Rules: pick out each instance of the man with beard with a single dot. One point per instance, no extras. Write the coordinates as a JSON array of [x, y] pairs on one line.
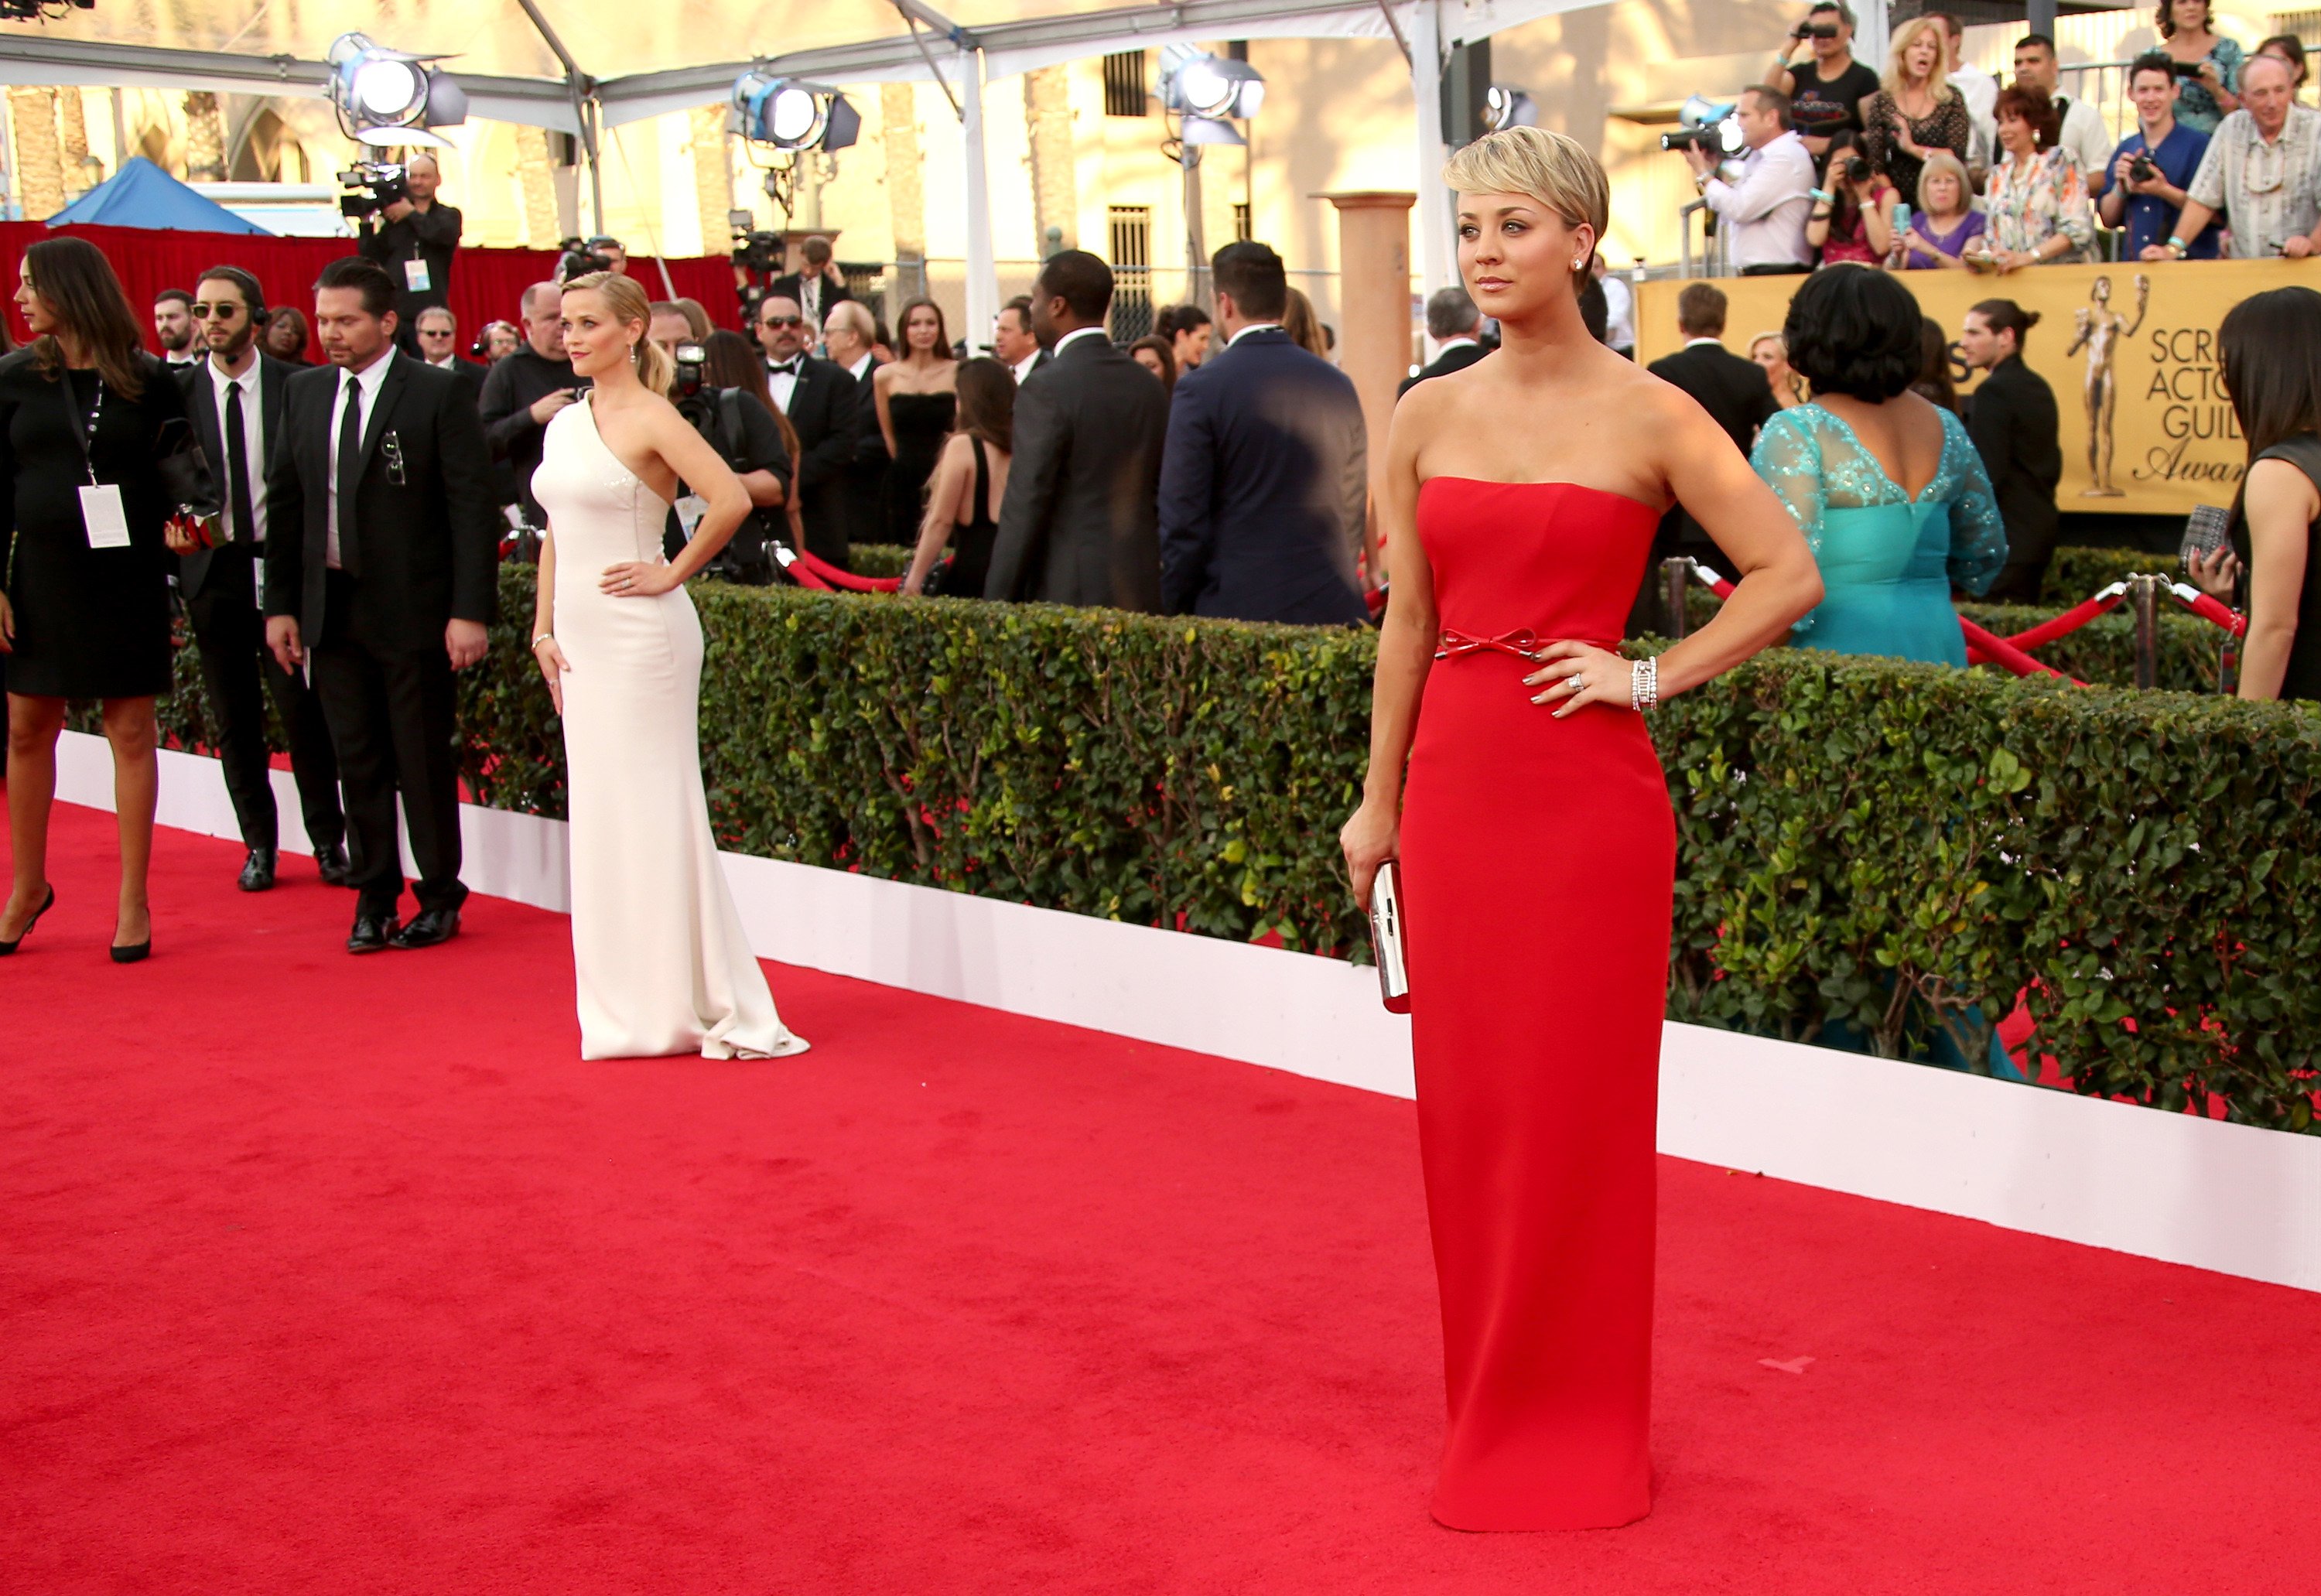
[[820, 399], [173, 327]]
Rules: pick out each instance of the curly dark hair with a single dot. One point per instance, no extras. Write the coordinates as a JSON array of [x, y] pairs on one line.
[[1855, 329], [2030, 106]]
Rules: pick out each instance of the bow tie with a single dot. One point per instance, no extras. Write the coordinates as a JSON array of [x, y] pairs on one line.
[[790, 366]]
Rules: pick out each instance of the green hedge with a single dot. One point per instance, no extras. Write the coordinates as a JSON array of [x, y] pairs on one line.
[[1883, 845], [878, 559], [2074, 573]]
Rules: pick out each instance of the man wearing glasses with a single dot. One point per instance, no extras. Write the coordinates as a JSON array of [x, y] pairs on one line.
[[823, 404], [234, 396], [2262, 172]]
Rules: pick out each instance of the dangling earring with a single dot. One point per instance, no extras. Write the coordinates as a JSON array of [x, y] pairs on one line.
[[632, 354]]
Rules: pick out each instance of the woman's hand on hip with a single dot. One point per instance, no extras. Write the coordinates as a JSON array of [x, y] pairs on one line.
[[1371, 837], [1576, 673], [637, 578]]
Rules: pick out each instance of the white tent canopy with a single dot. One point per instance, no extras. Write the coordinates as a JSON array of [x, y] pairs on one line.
[[539, 62]]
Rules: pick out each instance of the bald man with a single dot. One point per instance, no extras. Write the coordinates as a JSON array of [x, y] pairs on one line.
[[415, 238], [522, 392]]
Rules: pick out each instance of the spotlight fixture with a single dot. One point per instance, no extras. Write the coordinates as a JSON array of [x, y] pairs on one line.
[[390, 96], [791, 113], [1215, 89], [1505, 106]]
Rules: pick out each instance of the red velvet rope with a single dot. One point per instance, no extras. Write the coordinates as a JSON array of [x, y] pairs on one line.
[[2208, 609], [1998, 650], [832, 577], [2071, 619]]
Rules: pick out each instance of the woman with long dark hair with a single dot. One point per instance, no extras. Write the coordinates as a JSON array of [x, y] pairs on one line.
[[1887, 488], [87, 611], [2271, 352], [1152, 352], [1856, 224], [970, 480], [918, 401], [732, 361]]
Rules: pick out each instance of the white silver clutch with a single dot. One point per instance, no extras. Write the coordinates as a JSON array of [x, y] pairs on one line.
[[1385, 937]]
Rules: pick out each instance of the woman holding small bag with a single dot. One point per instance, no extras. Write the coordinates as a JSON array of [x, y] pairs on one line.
[[85, 418]]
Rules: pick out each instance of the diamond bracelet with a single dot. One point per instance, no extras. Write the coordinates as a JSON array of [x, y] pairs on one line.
[[1644, 685]]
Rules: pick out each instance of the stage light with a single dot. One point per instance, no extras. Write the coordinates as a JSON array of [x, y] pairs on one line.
[[1197, 85], [390, 96], [1505, 106], [791, 113]]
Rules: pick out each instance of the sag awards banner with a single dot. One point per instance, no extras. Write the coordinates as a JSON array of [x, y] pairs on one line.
[[2130, 349]]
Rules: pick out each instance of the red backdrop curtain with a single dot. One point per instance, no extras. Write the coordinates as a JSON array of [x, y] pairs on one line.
[[486, 285]]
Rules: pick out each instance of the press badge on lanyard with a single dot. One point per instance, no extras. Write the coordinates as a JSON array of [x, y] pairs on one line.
[[415, 277], [101, 509]]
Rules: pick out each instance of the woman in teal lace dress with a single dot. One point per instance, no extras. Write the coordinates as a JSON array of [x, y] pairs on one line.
[[1888, 488]]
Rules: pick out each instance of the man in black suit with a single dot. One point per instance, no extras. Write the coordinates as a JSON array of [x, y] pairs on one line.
[[1264, 480], [234, 397], [1452, 322], [819, 398], [1733, 391], [439, 345], [1014, 343], [383, 572], [816, 289], [851, 335], [414, 239], [523, 393], [1078, 523], [2011, 417]]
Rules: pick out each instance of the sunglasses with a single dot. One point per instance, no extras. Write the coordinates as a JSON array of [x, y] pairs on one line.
[[226, 311], [784, 322]]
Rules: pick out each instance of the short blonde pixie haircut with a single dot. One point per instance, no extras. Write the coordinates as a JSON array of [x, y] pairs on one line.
[[1552, 167]]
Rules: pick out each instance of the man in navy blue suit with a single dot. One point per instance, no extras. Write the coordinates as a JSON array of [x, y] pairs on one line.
[[1264, 478]]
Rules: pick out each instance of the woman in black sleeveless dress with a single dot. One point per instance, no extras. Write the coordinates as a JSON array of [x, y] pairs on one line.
[[917, 402], [970, 477], [2271, 346], [87, 614]]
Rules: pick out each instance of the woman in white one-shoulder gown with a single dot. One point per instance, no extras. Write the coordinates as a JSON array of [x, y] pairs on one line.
[[663, 963]]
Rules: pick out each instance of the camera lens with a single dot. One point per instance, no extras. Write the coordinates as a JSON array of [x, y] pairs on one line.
[[1857, 170]]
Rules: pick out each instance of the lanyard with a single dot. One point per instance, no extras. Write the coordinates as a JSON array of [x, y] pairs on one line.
[[84, 432]]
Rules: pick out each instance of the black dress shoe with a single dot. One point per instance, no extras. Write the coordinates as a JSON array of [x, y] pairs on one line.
[[372, 933], [135, 952], [257, 871], [47, 904], [331, 863], [428, 927]]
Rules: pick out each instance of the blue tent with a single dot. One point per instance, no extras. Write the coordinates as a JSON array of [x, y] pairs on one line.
[[141, 194]]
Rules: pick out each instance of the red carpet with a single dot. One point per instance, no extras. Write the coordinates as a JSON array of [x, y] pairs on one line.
[[337, 1275]]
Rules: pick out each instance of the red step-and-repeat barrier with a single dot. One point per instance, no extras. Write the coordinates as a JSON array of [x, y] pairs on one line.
[[486, 285]]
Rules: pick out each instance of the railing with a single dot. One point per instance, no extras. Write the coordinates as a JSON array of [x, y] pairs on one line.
[[885, 286]]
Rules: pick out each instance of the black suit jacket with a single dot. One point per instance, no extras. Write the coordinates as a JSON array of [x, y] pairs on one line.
[[789, 284], [1457, 359], [824, 409], [1078, 522], [2011, 417], [471, 372], [209, 427], [1733, 391], [426, 532], [1262, 487]]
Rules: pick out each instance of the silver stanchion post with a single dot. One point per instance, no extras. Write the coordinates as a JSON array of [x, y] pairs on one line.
[[1676, 575], [2143, 594]]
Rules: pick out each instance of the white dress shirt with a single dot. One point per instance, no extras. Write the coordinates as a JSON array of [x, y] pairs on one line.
[[861, 366], [1023, 368], [1065, 342], [1980, 91], [450, 362], [253, 441], [2087, 139], [1764, 213], [369, 379], [781, 377], [1619, 312], [1252, 327]]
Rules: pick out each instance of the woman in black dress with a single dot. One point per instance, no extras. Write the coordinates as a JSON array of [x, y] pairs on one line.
[[917, 398], [87, 611], [970, 479], [2271, 348]]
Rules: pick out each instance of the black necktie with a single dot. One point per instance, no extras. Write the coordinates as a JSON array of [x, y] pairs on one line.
[[790, 366], [237, 466], [350, 477]]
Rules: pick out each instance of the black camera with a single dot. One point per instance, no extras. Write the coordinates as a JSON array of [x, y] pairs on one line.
[[1815, 30], [2190, 69], [577, 259], [1857, 169], [379, 184], [2142, 170], [756, 249], [1710, 137], [692, 363]]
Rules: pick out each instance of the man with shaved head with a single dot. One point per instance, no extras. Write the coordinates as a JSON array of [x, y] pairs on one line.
[[415, 238], [522, 392]]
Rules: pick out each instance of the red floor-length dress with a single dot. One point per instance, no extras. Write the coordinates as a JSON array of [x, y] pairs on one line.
[[1538, 859]]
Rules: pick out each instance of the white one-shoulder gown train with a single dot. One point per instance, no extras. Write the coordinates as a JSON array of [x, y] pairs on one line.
[[663, 965]]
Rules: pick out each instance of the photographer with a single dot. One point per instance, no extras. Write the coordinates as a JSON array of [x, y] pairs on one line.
[[1764, 209], [2143, 188], [1856, 221], [2263, 172], [415, 239], [523, 392], [817, 287], [721, 388], [1827, 88]]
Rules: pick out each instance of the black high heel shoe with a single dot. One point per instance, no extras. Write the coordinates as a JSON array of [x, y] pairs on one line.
[[9, 947], [134, 951]]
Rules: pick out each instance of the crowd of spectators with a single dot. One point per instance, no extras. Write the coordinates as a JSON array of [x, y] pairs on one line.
[[1932, 165]]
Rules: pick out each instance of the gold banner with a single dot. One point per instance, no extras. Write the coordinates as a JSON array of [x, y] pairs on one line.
[[2129, 349]]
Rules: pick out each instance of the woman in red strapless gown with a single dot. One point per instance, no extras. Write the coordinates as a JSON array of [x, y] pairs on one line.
[[1537, 848]]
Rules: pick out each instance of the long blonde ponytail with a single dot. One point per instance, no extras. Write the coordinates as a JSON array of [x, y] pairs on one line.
[[628, 304]]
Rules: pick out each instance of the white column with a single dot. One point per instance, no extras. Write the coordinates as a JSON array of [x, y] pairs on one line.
[[1871, 32], [982, 273], [1437, 269]]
